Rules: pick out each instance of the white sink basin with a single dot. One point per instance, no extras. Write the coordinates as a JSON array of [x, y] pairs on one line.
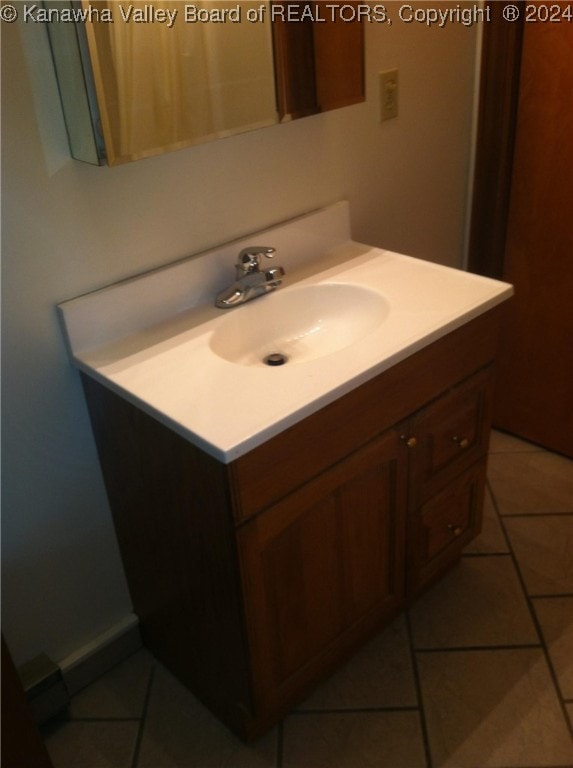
[[299, 324], [346, 312]]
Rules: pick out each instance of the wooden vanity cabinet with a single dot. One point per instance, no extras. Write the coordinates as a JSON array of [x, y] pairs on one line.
[[322, 567], [254, 580]]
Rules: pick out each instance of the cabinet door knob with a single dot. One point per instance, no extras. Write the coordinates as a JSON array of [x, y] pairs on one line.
[[411, 442], [455, 529], [462, 442]]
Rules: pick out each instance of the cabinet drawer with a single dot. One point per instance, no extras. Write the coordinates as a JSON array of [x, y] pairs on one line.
[[443, 525], [450, 435]]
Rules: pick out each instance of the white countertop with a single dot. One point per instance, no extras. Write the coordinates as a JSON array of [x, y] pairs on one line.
[[158, 356]]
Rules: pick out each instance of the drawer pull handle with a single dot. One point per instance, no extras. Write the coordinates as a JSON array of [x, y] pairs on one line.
[[455, 529], [462, 442], [411, 442]]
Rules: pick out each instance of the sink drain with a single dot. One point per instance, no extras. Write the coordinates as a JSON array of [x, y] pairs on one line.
[[276, 358]]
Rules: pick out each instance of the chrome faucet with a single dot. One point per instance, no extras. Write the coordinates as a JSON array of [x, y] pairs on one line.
[[250, 280]]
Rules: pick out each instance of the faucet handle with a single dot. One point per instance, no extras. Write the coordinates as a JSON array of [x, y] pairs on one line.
[[249, 259]]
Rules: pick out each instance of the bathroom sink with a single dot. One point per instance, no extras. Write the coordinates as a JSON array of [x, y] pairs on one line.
[[299, 324], [346, 312]]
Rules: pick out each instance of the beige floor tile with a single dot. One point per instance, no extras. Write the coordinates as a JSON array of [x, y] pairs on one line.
[[379, 675], [492, 709], [555, 616], [354, 740], [502, 442], [92, 744], [119, 693], [491, 538], [543, 547], [180, 733], [480, 602], [531, 483]]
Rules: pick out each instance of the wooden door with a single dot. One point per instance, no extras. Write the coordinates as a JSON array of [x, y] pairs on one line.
[[535, 386], [322, 567], [535, 380]]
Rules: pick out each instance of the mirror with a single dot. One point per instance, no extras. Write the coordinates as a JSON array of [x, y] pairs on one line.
[[141, 78]]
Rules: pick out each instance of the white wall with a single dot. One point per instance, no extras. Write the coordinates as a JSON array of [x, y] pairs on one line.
[[70, 228]]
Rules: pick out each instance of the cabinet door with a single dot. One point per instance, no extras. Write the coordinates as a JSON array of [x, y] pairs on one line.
[[442, 526], [322, 567]]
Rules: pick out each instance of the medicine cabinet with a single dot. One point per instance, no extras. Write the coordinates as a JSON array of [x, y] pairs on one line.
[[138, 79]]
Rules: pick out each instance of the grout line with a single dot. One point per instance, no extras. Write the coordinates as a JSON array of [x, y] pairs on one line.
[[139, 739], [418, 685], [498, 516], [536, 623]]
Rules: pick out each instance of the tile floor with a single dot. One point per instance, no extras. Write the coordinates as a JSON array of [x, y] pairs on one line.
[[479, 674]]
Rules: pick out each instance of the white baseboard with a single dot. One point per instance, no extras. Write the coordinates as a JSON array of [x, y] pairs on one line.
[[101, 654], [49, 685]]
